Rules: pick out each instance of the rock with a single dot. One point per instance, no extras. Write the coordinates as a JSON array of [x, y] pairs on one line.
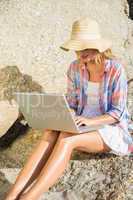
[[12, 80], [98, 177], [91, 176], [35, 47], [8, 114]]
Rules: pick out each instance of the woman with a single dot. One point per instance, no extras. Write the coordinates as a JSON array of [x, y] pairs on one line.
[[97, 94]]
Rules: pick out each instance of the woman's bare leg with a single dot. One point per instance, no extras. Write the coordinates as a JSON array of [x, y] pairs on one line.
[[34, 164], [59, 159]]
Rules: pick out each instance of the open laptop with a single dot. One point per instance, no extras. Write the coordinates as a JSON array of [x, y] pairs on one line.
[[49, 111]]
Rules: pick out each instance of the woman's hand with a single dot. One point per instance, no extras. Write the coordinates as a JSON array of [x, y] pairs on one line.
[[83, 120]]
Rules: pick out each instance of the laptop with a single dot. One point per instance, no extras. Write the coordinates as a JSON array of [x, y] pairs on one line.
[[49, 111]]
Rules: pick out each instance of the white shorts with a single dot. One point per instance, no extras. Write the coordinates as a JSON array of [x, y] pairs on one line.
[[113, 136]]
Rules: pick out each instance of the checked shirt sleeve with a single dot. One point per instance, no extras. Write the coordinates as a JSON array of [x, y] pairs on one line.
[[119, 94], [71, 95]]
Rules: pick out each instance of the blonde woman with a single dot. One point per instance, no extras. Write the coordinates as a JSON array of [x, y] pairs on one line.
[[97, 94]]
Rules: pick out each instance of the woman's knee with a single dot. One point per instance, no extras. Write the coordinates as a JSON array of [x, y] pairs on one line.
[[64, 139]]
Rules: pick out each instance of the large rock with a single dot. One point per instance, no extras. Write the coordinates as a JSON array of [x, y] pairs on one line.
[[34, 31], [8, 114], [12, 80]]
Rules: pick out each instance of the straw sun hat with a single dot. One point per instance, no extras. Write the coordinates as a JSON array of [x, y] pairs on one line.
[[86, 34]]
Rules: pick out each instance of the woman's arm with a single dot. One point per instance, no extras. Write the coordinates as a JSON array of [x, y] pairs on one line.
[[119, 94], [71, 95], [98, 120], [102, 119]]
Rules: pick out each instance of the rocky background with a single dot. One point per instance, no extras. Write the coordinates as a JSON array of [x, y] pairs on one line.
[[32, 32], [31, 60]]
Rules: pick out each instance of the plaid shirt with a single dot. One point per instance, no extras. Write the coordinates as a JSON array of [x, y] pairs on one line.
[[113, 92]]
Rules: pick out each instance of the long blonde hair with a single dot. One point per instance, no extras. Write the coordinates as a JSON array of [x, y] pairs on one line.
[[100, 57]]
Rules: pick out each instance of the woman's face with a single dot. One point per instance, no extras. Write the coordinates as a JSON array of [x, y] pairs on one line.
[[87, 55]]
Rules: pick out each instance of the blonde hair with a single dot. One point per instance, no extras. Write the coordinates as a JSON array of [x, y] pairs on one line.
[[100, 57]]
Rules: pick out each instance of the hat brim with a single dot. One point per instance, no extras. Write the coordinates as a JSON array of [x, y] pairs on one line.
[[77, 45]]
